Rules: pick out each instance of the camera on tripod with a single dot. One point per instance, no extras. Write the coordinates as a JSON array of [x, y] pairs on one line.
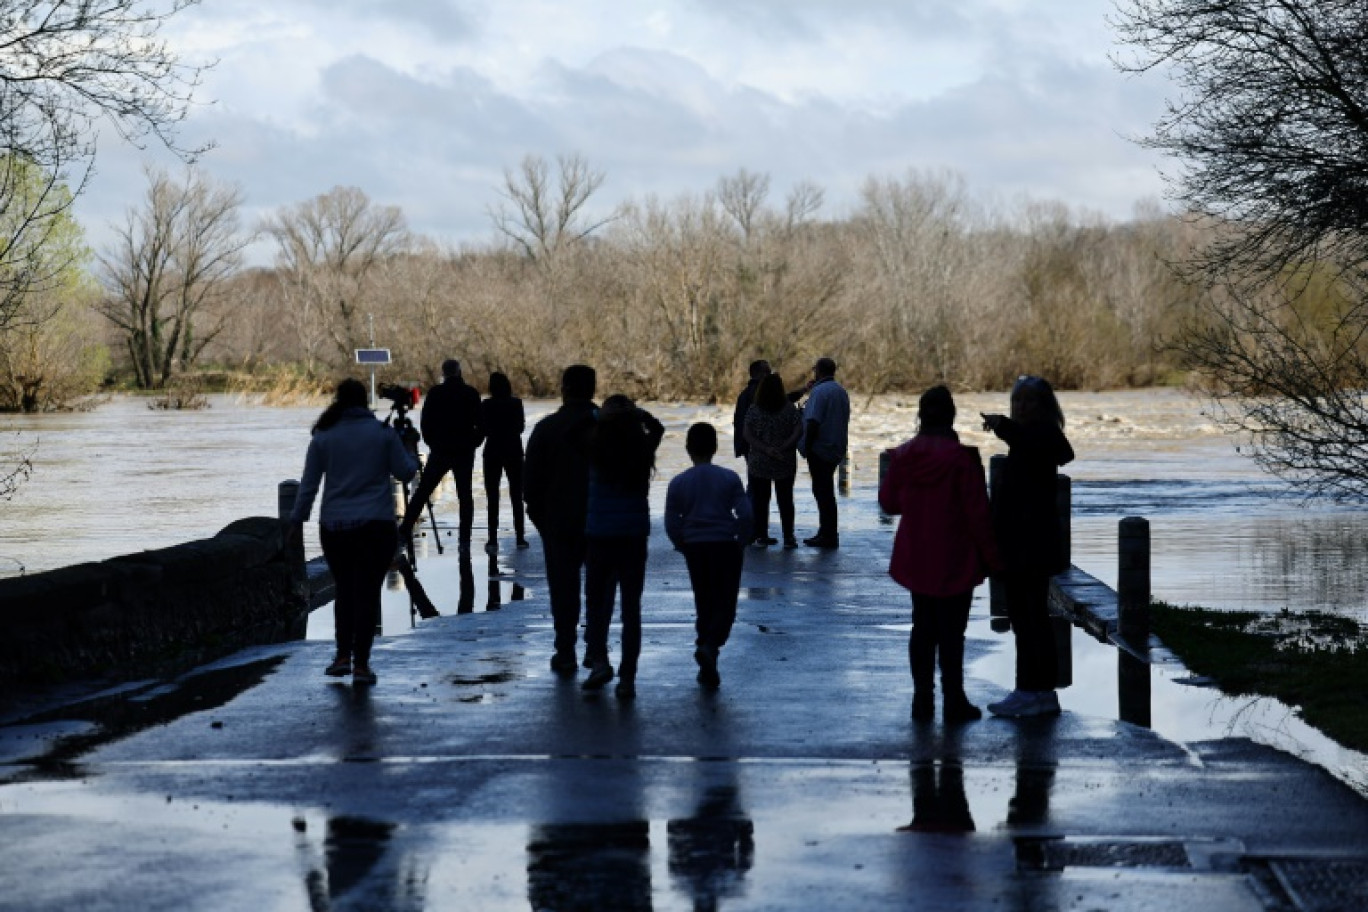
[[402, 398]]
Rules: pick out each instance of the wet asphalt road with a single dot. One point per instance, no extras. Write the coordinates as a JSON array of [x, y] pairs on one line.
[[473, 778]]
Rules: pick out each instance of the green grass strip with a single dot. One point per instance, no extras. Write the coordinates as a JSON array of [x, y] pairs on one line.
[[1314, 661]]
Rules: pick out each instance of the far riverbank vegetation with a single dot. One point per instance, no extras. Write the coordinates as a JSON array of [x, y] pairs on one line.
[[921, 281], [1313, 661]]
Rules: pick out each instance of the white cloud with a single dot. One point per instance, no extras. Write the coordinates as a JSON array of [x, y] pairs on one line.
[[423, 105]]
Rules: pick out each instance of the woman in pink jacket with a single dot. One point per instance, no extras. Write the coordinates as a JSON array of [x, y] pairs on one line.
[[943, 549]]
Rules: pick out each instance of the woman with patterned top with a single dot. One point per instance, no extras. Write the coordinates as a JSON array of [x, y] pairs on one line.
[[773, 428]]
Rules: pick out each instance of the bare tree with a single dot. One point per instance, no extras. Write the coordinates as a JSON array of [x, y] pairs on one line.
[[542, 216], [1270, 125], [328, 249], [1271, 131], [743, 198], [15, 467], [166, 273], [64, 65]]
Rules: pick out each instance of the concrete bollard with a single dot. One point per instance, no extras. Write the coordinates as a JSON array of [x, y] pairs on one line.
[[997, 591], [885, 460], [1133, 582], [287, 492], [1064, 509]]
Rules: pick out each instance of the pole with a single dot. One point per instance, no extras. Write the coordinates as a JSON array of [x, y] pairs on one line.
[[997, 591], [1133, 583], [370, 318]]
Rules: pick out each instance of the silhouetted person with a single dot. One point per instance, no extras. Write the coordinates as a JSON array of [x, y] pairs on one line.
[[1029, 538], [772, 429], [826, 428], [452, 429], [556, 491], [354, 457], [502, 414], [942, 550], [617, 525], [758, 371], [707, 517]]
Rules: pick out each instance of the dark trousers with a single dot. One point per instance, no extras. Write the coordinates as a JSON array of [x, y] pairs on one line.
[[358, 559], [512, 466], [715, 575], [759, 490], [614, 563], [564, 556], [1028, 610], [824, 492], [461, 464], [938, 625]]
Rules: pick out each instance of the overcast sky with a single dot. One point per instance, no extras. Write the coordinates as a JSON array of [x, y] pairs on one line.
[[424, 103]]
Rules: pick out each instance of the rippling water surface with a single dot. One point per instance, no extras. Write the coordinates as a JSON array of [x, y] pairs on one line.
[[124, 477]]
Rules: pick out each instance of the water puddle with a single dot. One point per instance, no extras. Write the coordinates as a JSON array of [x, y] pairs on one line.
[[1165, 697], [65, 734]]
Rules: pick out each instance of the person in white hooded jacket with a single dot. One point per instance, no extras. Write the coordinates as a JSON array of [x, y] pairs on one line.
[[354, 456]]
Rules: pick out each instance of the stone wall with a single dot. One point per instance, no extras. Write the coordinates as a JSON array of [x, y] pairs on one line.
[[155, 612]]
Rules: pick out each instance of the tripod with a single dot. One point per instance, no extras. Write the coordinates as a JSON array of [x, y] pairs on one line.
[[432, 517], [406, 561]]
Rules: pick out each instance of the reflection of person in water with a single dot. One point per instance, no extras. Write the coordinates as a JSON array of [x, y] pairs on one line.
[[466, 605], [1029, 805], [353, 850], [495, 600], [939, 804], [711, 851], [588, 867]]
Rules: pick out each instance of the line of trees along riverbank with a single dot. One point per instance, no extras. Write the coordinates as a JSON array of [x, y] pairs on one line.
[[921, 282]]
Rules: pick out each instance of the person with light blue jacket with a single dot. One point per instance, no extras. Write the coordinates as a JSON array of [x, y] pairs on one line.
[[708, 519], [826, 428], [353, 456]]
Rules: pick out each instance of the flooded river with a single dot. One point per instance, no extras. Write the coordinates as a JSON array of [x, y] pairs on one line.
[[123, 477]]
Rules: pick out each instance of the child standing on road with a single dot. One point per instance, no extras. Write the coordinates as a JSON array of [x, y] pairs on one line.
[[708, 518]]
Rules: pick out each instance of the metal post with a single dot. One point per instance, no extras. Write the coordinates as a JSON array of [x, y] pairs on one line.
[[287, 492], [885, 460], [1063, 626], [1133, 582], [997, 591], [1064, 508], [1132, 602], [370, 318]]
